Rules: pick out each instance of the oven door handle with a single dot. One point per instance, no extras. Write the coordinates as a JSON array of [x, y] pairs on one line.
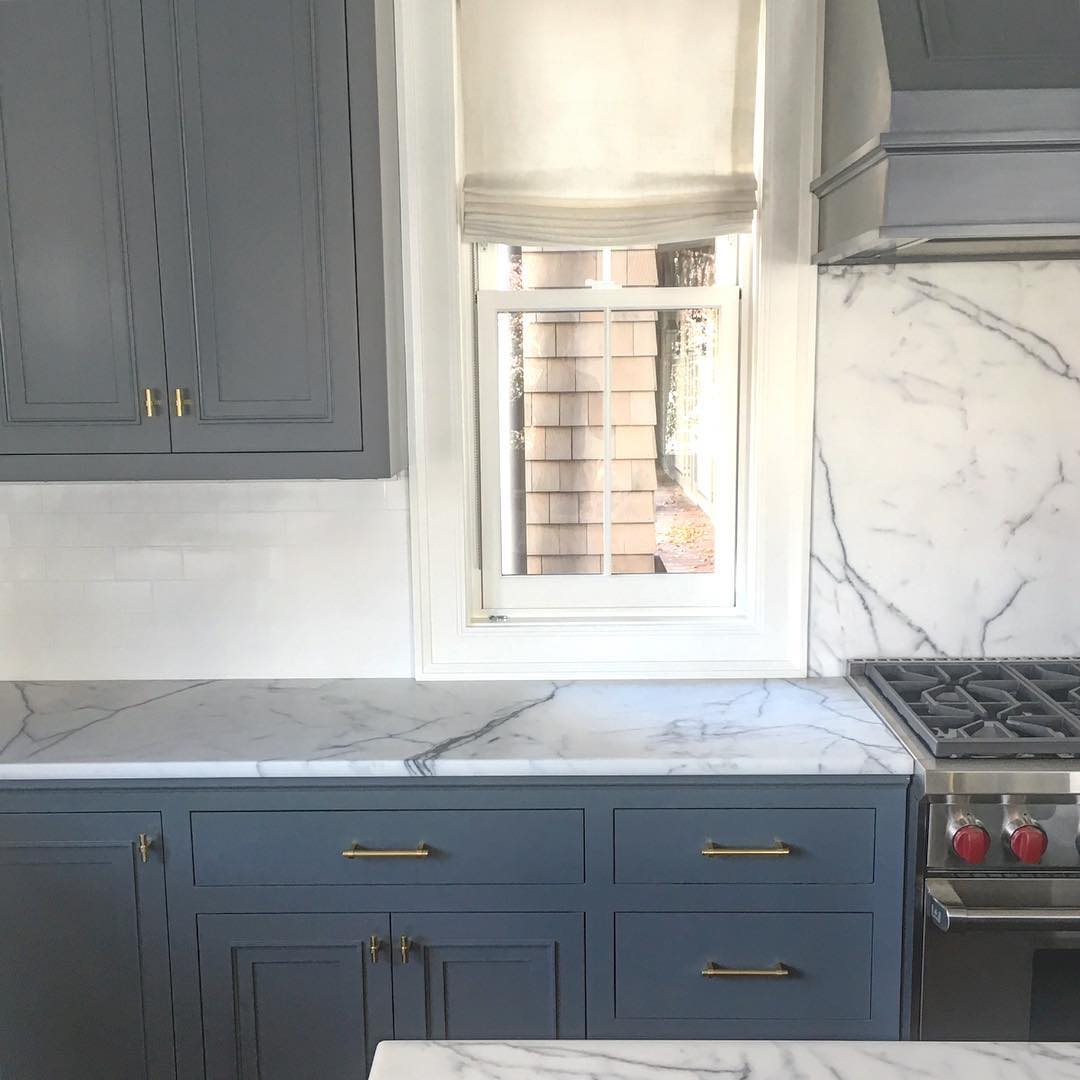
[[948, 912]]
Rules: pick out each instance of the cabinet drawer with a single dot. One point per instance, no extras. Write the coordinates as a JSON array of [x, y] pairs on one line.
[[660, 957], [464, 847], [817, 847]]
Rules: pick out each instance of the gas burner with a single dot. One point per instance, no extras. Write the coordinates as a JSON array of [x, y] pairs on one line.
[[987, 709]]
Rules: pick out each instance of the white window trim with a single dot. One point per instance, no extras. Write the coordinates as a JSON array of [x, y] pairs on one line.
[[766, 633], [581, 595]]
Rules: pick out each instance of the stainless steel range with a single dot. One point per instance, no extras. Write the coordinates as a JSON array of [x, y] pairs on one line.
[[995, 924]]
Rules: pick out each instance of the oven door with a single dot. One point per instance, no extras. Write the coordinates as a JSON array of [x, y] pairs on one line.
[[1001, 959]]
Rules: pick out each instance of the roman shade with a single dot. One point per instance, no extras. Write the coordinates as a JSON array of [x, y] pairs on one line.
[[608, 122]]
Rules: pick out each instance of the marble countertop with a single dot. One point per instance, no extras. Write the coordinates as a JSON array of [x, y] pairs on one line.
[[397, 727], [633, 1060]]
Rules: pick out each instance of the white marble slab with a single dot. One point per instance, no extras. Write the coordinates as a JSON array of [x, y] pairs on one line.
[[633, 1060], [947, 473], [397, 727]]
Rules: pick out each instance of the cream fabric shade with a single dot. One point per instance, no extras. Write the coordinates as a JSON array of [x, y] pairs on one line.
[[608, 122]]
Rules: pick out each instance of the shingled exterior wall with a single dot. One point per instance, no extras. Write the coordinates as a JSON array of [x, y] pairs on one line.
[[563, 416]]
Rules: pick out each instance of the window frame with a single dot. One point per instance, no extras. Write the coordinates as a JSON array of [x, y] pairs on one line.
[[765, 633], [601, 595]]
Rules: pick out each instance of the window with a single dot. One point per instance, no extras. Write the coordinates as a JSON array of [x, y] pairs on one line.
[[609, 426], [716, 582]]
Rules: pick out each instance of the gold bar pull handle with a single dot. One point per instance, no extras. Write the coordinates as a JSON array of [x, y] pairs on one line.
[[373, 946], [421, 851], [715, 971], [144, 845], [151, 402], [181, 400], [711, 850], [405, 945]]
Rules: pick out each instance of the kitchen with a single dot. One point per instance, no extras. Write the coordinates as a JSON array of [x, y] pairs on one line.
[[302, 744]]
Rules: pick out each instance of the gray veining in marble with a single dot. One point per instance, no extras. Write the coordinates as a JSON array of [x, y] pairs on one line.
[[947, 471], [397, 727], [633, 1060]]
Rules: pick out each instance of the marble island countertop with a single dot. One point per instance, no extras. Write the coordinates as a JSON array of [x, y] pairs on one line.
[[397, 727], [632, 1060]]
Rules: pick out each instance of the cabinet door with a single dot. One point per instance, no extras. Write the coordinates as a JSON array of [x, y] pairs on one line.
[[84, 975], [254, 172], [490, 976], [293, 997], [80, 308]]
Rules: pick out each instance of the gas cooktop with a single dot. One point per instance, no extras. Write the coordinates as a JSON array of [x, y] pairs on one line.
[[986, 709]]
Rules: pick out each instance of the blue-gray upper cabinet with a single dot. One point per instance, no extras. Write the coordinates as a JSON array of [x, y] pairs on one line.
[[80, 315], [84, 962], [264, 116], [496, 975], [294, 995]]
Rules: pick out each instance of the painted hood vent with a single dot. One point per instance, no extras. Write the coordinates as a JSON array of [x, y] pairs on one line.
[[950, 129]]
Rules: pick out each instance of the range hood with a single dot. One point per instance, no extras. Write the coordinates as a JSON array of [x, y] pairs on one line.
[[950, 130]]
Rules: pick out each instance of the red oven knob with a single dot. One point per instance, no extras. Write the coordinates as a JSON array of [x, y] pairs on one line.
[[1028, 843], [971, 843]]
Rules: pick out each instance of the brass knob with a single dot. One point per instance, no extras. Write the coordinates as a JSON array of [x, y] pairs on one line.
[[374, 948], [405, 945], [180, 400], [144, 846], [151, 402]]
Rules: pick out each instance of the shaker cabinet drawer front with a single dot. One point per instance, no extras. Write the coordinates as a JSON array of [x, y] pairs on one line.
[[744, 846], [389, 847], [740, 966]]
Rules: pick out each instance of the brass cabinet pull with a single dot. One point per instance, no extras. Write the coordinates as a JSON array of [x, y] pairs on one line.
[[714, 971], [374, 946], [405, 945], [144, 845], [180, 400], [150, 402], [711, 850], [421, 851]]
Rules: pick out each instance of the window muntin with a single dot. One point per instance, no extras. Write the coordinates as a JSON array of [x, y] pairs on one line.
[[609, 428]]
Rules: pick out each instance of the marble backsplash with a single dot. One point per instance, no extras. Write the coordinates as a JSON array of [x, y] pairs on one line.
[[947, 462]]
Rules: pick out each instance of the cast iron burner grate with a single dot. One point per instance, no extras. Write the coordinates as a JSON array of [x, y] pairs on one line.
[[972, 708]]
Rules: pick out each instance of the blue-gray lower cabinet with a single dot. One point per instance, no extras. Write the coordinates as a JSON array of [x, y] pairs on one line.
[[84, 963], [292, 996], [308, 920], [495, 975]]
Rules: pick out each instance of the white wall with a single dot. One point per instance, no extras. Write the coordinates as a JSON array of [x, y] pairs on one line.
[[946, 513], [197, 580], [947, 473]]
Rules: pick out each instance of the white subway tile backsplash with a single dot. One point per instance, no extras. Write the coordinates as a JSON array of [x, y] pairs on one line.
[[228, 564], [20, 498], [216, 495], [205, 579], [122, 596], [149, 563], [22, 564], [283, 494], [41, 530], [76, 498], [45, 597], [251, 527], [169, 529], [80, 564], [327, 527], [104, 529]]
